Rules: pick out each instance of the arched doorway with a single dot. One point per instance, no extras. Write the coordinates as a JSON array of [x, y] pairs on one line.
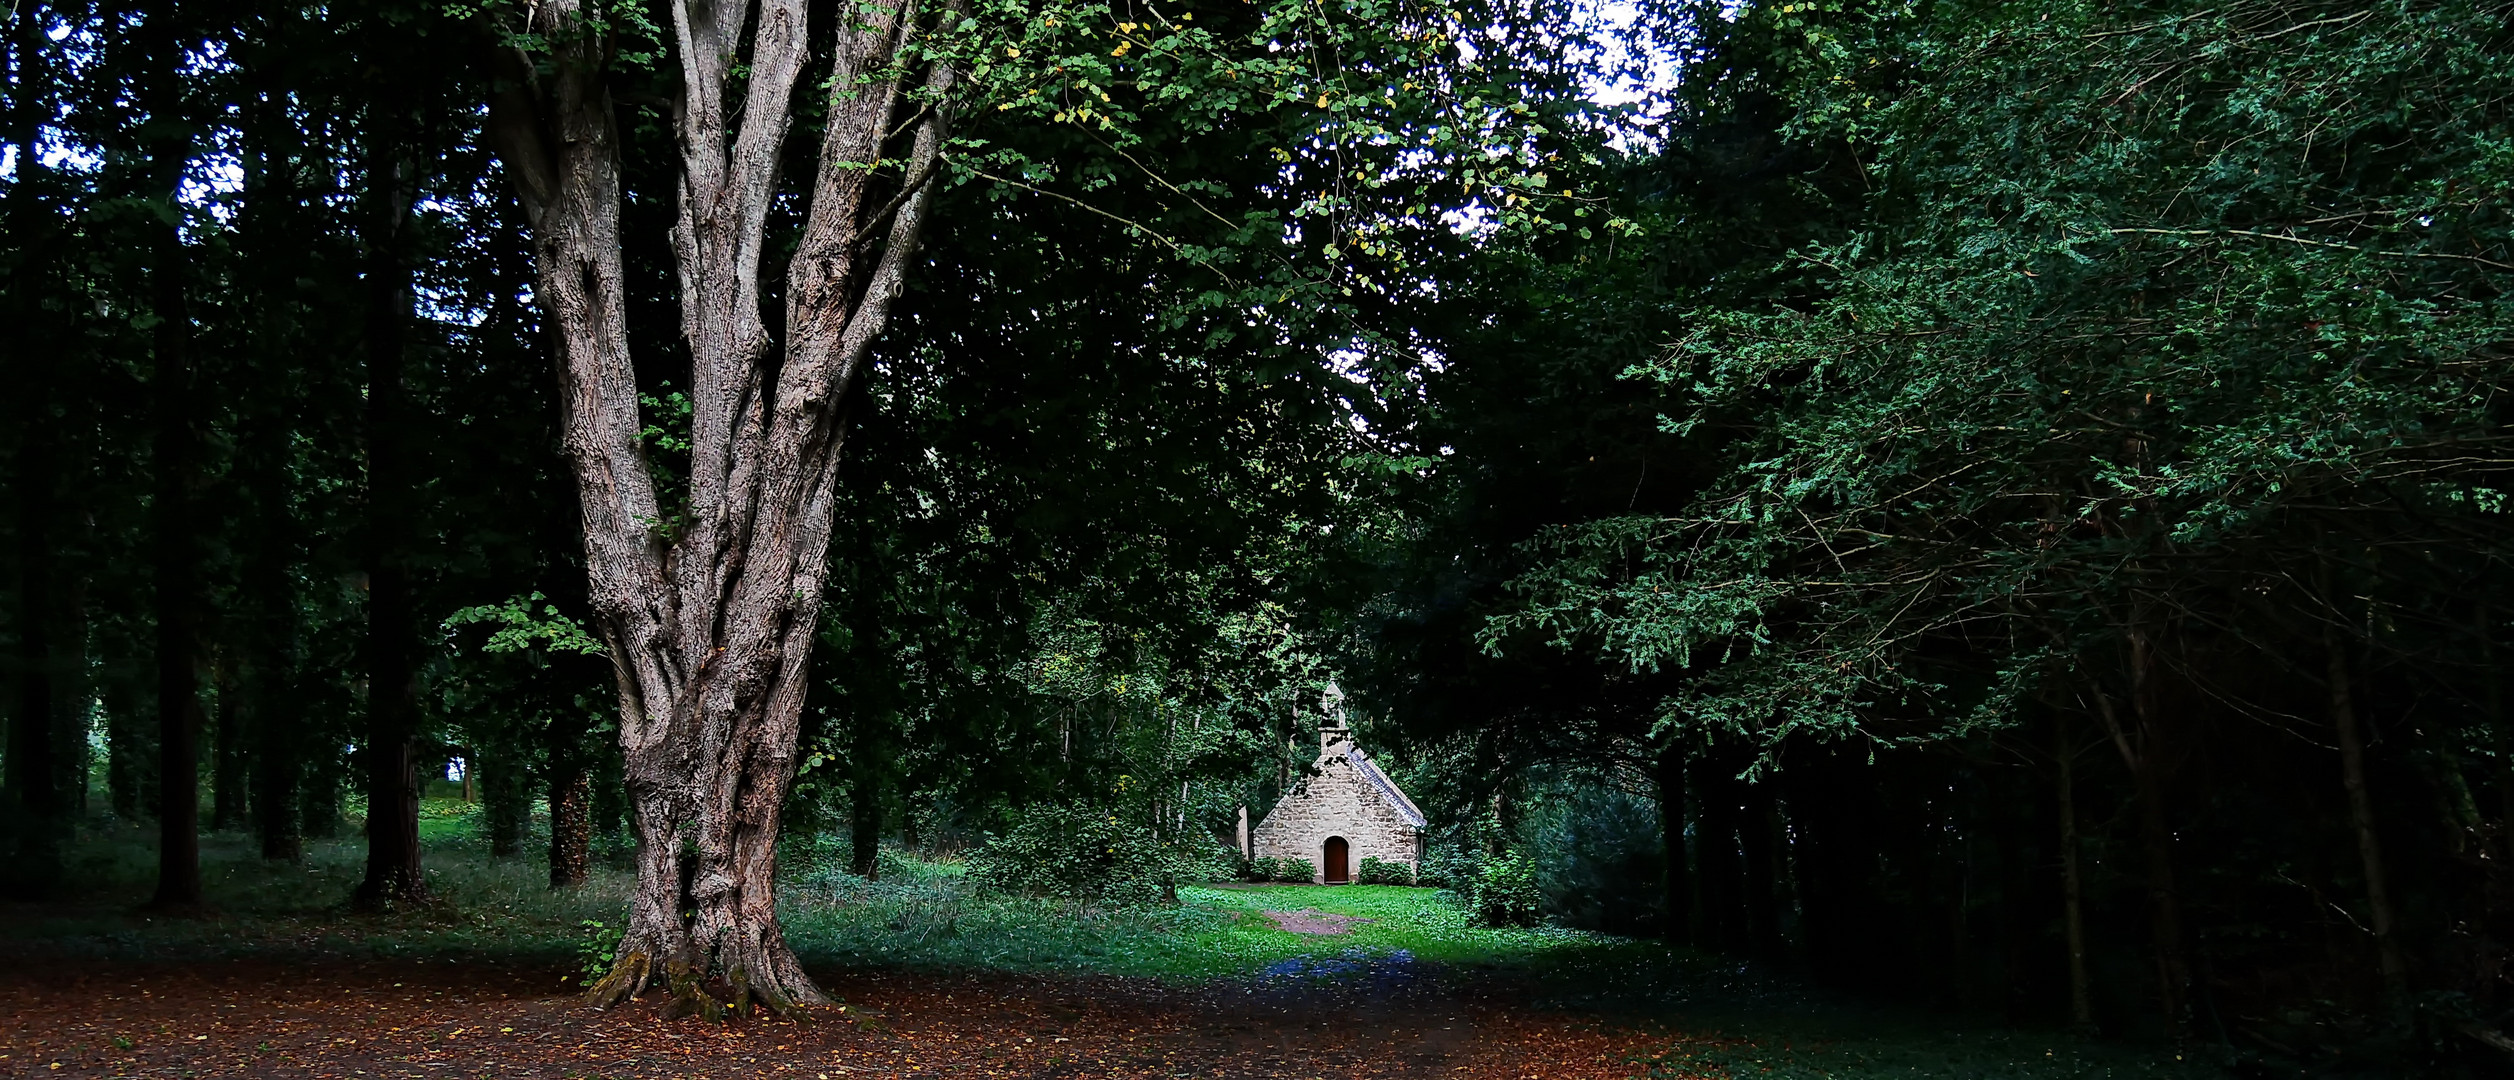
[[1338, 862]]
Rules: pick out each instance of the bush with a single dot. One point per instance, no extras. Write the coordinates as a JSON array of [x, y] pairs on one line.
[[1452, 865], [1079, 853], [1505, 893], [1274, 869], [1377, 871]]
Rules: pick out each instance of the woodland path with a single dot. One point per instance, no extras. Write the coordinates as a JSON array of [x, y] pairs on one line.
[[258, 1017]]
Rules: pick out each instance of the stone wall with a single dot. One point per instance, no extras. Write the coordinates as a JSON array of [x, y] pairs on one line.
[[1338, 801]]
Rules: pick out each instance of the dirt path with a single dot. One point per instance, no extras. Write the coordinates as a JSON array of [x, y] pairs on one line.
[[259, 1018]]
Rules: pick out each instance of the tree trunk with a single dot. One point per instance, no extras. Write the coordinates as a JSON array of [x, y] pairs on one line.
[[2143, 757], [2352, 766], [176, 573], [2072, 884], [33, 866], [34, 792], [1670, 774], [393, 875], [269, 683], [1719, 871], [278, 820], [571, 825], [708, 610]]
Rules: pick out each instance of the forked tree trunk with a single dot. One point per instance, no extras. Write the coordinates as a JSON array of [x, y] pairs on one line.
[[708, 610]]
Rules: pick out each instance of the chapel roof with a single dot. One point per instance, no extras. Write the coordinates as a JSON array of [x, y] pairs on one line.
[[1387, 788]]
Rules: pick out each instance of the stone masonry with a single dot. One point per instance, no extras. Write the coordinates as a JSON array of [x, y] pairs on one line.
[[1348, 797]]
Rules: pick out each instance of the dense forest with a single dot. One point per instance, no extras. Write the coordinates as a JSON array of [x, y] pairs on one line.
[[1990, 506]]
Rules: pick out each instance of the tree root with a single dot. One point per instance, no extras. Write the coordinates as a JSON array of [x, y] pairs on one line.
[[627, 978], [634, 971]]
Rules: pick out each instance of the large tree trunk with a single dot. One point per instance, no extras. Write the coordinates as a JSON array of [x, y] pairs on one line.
[[393, 874], [34, 795], [174, 447], [708, 610]]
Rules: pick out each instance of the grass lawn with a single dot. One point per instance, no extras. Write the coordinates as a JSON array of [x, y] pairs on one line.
[[1214, 932]]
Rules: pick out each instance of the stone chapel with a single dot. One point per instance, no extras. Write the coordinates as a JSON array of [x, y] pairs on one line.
[[1344, 811]]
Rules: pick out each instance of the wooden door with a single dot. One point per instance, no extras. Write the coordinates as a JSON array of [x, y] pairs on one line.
[[1338, 853]]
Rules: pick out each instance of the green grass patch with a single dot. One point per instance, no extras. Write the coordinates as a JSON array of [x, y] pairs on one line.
[[939, 922]]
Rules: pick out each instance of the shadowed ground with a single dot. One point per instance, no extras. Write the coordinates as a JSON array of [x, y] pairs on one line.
[[255, 1018]]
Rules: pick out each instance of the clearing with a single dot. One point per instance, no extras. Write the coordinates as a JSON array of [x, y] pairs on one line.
[[938, 980]]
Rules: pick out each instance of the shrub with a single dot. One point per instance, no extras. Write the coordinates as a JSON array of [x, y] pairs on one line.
[[1451, 865], [1505, 893], [1289, 870], [1084, 854], [1377, 871]]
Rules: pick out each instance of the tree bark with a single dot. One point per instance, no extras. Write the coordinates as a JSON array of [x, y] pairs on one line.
[[571, 825], [708, 610]]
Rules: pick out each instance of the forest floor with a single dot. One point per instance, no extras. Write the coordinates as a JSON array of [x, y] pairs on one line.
[[936, 980]]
